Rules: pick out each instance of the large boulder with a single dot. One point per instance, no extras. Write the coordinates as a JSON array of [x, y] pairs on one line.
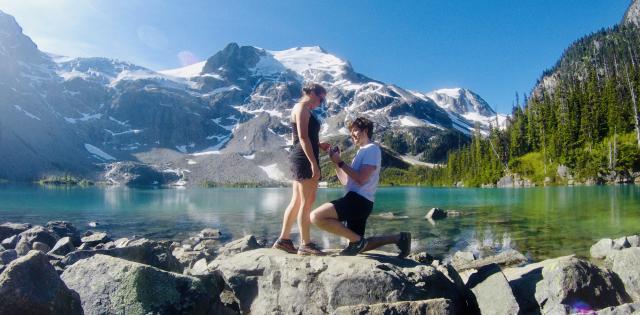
[[570, 282], [9, 229], [244, 244], [10, 242], [626, 264], [109, 285], [30, 285], [426, 307], [267, 281], [491, 292], [144, 251], [8, 256]]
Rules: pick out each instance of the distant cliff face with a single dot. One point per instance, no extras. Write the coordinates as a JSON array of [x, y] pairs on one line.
[[632, 16]]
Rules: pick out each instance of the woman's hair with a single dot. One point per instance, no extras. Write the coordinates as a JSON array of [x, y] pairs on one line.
[[316, 88], [363, 123]]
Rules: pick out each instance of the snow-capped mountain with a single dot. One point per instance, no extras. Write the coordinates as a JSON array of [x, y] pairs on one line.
[[79, 115], [464, 103]]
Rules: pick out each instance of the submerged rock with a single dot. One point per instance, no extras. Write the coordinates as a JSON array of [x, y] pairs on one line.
[[30, 285], [436, 214], [109, 285], [267, 281]]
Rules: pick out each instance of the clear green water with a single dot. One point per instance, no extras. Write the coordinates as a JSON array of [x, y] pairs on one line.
[[543, 222]]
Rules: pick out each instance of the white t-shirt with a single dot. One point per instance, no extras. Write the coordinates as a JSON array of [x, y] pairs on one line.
[[369, 154]]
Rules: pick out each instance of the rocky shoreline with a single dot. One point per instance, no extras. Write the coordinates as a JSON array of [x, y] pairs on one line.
[[55, 269]]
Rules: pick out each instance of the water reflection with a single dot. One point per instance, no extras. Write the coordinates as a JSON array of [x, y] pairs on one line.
[[544, 222]]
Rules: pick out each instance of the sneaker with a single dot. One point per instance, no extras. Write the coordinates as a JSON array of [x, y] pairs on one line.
[[310, 249], [404, 244], [285, 245], [354, 248]]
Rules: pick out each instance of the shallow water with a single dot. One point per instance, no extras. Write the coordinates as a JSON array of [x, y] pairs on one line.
[[542, 222]]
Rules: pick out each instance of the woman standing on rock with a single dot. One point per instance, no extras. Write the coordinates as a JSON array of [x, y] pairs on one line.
[[305, 171]]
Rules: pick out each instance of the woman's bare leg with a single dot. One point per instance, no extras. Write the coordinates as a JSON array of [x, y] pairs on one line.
[[291, 212], [308, 189]]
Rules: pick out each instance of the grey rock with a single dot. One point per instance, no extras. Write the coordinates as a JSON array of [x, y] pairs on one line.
[[63, 247], [30, 285], [507, 258], [436, 214], [462, 258], [92, 224], [563, 171], [8, 256], [426, 307], [626, 264], [38, 234], [266, 281], [109, 285], [187, 258], [121, 242], [491, 291], [208, 246], [10, 242], [64, 229], [568, 281], [9, 229], [135, 174], [95, 239], [506, 182], [23, 247], [602, 248], [621, 243], [200, 267], [634, 240], [244, 244], [624, 309], [144, 251], [42, 247]]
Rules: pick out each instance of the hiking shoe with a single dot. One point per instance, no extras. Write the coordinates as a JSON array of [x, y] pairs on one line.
[[310, 249], [404, 244], [354, 248], [285, 245]]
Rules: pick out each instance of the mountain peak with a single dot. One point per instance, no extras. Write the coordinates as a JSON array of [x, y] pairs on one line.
[[632, 16], [13, 43]]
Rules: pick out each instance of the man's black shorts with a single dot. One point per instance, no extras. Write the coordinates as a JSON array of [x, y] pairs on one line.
[[354, 210]]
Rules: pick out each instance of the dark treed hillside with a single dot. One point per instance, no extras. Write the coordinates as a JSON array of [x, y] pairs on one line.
[[582, 114]]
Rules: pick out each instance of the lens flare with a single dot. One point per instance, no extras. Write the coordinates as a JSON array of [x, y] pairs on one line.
[[187, 58]]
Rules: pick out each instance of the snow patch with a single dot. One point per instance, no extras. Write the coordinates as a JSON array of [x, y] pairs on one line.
[[30, 115], [97, 152], [189, 71], [273, 172]]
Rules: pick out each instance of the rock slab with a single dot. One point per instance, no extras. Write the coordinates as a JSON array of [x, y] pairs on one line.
[[426, 307], [109, 285]]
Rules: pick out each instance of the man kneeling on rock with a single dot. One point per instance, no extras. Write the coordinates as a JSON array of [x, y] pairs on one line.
[[361, 181]]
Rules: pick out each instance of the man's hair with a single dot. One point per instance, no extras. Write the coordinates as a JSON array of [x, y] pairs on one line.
[[363, 123]]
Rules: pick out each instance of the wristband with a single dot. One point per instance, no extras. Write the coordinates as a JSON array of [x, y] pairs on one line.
[[340, 164]]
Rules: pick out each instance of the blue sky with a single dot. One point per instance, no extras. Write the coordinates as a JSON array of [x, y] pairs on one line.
[[494, 47]]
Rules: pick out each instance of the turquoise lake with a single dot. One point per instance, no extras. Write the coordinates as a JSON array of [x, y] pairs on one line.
[[540, 222]]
